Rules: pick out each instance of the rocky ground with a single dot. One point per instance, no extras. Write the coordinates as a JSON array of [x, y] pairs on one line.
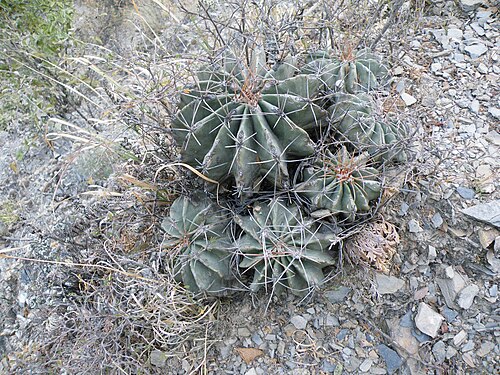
[[436, 312]]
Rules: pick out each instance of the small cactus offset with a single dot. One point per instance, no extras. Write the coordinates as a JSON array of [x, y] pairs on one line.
[[352, 73], [340, 184], [352, 118], [284, 249], [245, 125], [198, 244]]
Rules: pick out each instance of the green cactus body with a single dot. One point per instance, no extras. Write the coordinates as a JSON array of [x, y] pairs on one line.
[[245, 126], [364, 72], [340, 184], [284, 250], [353, 120], [197, 243]]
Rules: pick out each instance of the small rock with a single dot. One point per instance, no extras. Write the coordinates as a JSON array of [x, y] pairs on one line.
[[427, 320], [449, 272], [158, 358], [244, 332], [332, 321], [455, 33], [439, 351], [337, 295], [408, 99], [449, 314], [495, 112], [392, 360], [487, 237], [251, 371], [485, 348], [436, 67], [466, 296], [398, 71], [459, 338], [365, 365], [388, 284], [467, 357], [432, 254], [421, 293], [437, 220], [465, 193], [493, 291], [257, 339], [299, 322], [486, 212], [476, 50], [468, 346], [450, 352], [414, 226], [478, 29], [493, 137], [470, 5], [482, 68], [474, 106]]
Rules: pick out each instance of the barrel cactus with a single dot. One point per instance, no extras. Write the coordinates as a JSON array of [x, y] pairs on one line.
[[284, 250], [198, 245], [340, 184], [351, 73], [353, 120], [246, 124]]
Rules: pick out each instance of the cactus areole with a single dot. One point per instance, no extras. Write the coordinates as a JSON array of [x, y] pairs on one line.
[[245, 125]]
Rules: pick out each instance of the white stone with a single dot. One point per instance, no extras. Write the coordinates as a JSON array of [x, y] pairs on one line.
[[459, 338], [476, 50], [495, 112], [299, 322], [388, 284], [455, 33], [365, 366], [482, 68], [427, 320], [398, 71], [474, 106], [408, 99], [436, 67], [471, 5], [466, 296], [450, 273]]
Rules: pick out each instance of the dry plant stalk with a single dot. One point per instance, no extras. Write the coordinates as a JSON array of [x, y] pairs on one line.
[[374, 245]]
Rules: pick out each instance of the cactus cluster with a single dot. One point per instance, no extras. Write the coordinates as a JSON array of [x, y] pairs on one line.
[[284, 249], [246, 126], [250, 127]]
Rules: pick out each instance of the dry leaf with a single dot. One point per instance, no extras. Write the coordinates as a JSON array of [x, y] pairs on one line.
[[249, 354]]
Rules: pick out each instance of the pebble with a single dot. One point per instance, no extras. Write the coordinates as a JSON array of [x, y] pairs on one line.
[[466, 296], [459, 338], [486, 347], [476, 50], [257, 339], [388, 284], [485, 212], [432, 254], [437, 220], [455, 33], [474, 106], [469, 345], [449, 314], [414, 226], [338, 294], [299, 322], [465, 193], [439, 351], [450, 352], [436, 67], [408, 99], [495, 112], [365, 365], [392, 359], [158, 358], [482, 68], [427, 320]]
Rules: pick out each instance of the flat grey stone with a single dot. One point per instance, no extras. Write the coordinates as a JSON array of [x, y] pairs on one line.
[[459, 338], [365, 365], [257, 339], [439, 351], [392, 360], [470, 5], [450, 352], [427, 320], [495, 112], [449, 314], [474, 106], [337, 295], [414, 226], [455, 33], [408, 99], [486, 347], [488, 213], [476, 50], [466, 193], [478, 29], [437, 220], [299, 322], [388, 284], [244, 332], [466, 296]]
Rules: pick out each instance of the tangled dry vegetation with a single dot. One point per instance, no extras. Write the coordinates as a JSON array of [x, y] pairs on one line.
[[119, 306]]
